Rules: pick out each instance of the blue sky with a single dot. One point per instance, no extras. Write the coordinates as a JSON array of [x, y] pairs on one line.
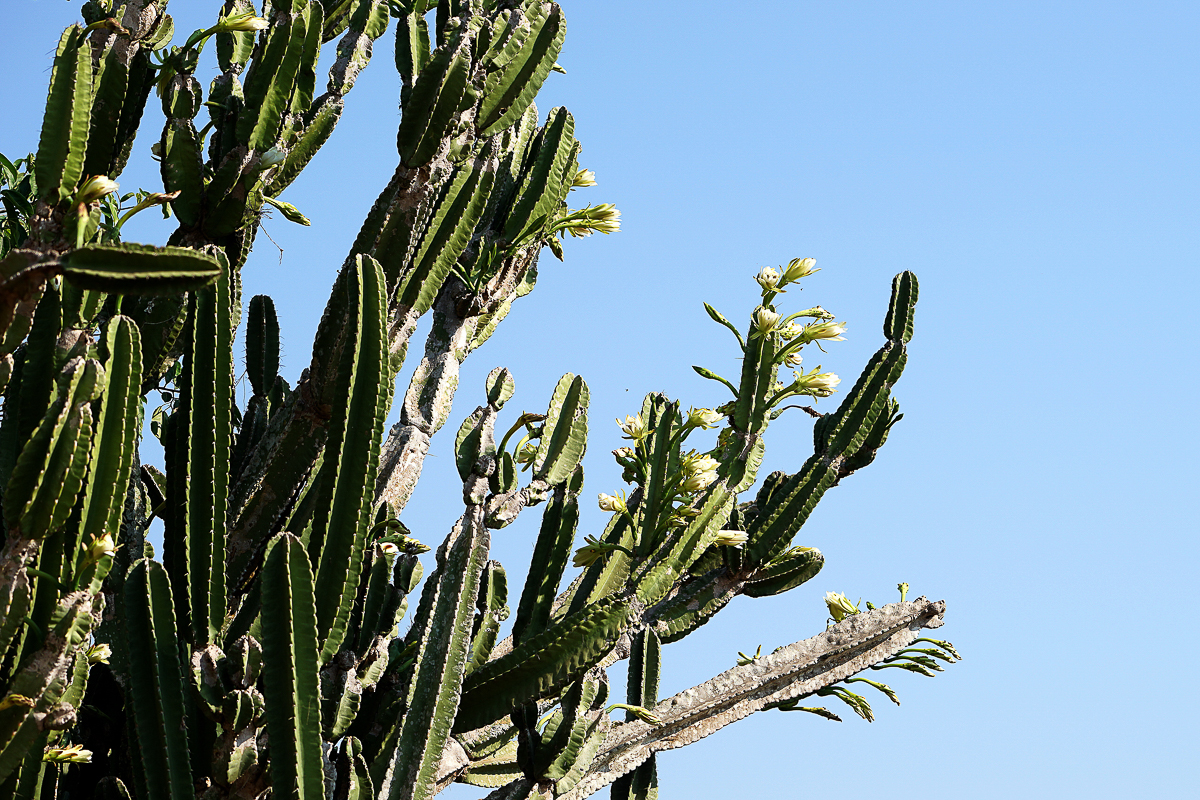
[[1036, 165]]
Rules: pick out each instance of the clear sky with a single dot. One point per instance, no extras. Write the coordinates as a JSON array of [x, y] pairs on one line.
[[1035, 163]]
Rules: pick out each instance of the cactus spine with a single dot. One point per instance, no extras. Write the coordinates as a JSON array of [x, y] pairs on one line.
[[261, 651]]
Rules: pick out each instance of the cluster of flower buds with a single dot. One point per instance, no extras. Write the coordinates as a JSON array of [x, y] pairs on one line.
[[699, 472], [773, 280]]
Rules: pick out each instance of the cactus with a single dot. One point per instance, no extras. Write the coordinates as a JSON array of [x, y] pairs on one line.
[[261, 652]]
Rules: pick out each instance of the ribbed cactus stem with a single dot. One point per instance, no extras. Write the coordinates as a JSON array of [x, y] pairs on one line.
[[796, 671]]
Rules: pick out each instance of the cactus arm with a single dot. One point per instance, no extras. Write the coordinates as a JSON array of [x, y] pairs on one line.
[[157, 681], [563, 444], [839, 437], [409, 770], [511, 89], [290, 680], [544, 183], [135, 269], [51, 468], [798, 670], [550, 555], [340, 526], [271, 79], [206, 427], [63, 143], [543, 664], [431, 105], [492, 610], [116, 430]]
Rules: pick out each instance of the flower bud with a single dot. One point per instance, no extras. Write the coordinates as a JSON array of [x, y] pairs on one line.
[[793, 359], [585, 177], [244, 22], [799, 268], [94, 188], [768, 279], [610, 502], [526, 453], [272, 158], [839, 606], [71, 754], [99, 654]]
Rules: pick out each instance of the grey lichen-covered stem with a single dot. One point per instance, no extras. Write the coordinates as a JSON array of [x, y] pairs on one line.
[[798, 670], [456, 333]]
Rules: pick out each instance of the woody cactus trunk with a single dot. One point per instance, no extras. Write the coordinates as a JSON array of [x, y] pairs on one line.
[[265, 650]]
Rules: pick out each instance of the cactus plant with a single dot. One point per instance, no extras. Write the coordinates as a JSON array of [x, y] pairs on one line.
[[262, 651]]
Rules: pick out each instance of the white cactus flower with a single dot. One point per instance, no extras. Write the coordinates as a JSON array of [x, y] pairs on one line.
[[634, 427], [704, 418], [768, 278], [585, 177], [730, 538], [831, 331], [94, 188], [764, 319], [821, 384], [799, 268]]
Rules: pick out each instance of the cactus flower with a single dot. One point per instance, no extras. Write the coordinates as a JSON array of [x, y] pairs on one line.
[[634, 427], [585, 177], [764, 319], [101, 547], [839, 606], [609, 502], [793, 359], [823, 330], [818, 384], [730, 538], [768, 279], [799, 268], [244, 22], [71, 754], [525, 453], [94, 188], [699, 481], [99, 654], [703, 418]]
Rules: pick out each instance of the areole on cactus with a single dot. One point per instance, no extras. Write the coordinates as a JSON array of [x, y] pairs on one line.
[[263, 651]]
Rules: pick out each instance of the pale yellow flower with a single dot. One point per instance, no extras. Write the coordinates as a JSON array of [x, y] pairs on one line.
[[768, 278], [839, 606], [799, 268]]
